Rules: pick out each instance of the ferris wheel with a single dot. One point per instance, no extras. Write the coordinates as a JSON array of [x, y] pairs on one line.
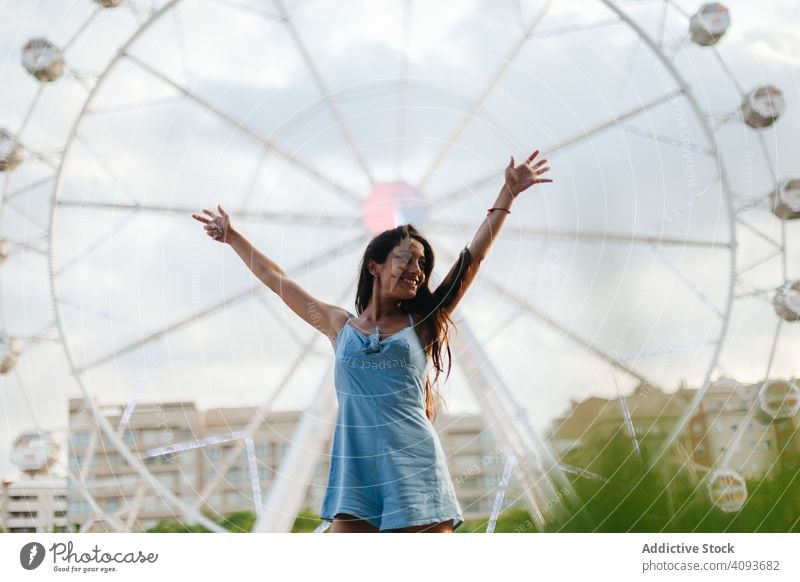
[[319, 125]]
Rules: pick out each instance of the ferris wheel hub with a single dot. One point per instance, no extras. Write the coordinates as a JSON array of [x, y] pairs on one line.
[[392, 204]]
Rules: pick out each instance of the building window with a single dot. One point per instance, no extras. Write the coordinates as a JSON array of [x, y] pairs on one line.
[[22, 514], [461, 440], [80, 439], [129, 438], [470, 483], [78, 506], [156, 437], [468, 464]]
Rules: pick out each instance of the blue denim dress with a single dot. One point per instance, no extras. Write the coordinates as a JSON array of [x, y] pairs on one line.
[[387, 464]]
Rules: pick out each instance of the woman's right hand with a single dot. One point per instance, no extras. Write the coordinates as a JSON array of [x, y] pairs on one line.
[[217, 227]]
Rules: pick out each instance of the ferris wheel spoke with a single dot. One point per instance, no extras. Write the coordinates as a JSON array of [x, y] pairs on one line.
[[261, 297], [760, 262], [253, 185], [662, 25], [106, 167], [258, 417], [576, 28], [81, 29], [137, 106], [140, 12], [314, 71], [212, 309], [98, 242], [43, 228], [298, 218], [87, 496], [443, 201], [99, 313], [25, 189], [724, 460], [677, 7], [592, 236], [745, 203], [42, 334], [524, 306], [180, 37], [672, 141], [266, 14], [479, 103], [667, 350], [48, 158], [758, 233], [403, 89], [84, 79], [747, 289], [341, 190], [687, 281], [28, 246]]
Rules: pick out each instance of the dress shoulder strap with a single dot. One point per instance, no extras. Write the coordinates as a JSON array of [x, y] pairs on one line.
[[410, 320]]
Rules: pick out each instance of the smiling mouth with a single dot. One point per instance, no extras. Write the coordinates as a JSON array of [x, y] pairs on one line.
[[410, 282]]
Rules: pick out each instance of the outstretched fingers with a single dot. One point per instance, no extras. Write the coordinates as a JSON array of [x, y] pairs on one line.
[[201, 219], [538, 171], [532, 156]]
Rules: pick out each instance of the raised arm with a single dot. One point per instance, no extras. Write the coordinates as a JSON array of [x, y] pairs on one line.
[[325, 318], [517, 179]]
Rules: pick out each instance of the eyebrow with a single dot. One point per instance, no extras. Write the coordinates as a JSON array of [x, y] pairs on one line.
[[419, 254]]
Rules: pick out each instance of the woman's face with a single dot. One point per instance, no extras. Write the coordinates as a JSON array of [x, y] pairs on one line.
[[403, 272]]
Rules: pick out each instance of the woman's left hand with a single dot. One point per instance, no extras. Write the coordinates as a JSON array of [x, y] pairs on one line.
[[520, 178]]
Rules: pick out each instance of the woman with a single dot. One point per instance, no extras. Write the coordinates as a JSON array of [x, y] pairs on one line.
[[388, 471]]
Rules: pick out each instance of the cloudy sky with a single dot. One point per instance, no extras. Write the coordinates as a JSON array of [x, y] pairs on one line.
[[220, 101]]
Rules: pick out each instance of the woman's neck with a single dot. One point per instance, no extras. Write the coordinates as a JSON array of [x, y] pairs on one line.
[[377, 310]]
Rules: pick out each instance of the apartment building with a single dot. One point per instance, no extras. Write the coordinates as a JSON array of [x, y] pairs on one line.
[[647, 417], [765, 444], [34, 505], [204, 458]]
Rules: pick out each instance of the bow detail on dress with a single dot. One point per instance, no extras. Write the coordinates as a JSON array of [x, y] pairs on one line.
[[374, 344]]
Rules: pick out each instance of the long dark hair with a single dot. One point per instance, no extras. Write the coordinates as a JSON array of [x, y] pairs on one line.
[[434, 307]]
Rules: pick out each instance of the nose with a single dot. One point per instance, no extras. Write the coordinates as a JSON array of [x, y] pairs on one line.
[[414, 269]]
